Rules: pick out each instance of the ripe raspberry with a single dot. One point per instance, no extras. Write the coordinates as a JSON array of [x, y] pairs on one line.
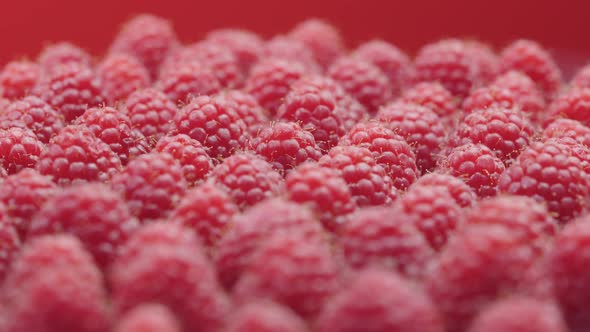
[[389, 150], [245, 45], [478, 265], [270, 81], [19, 149], [582, 78], [363, 81], [151, 112], [292, 50], [394, 63], [148, 38], [148, 318], [487, 61], [550, 173], [115, 129], [324, 40], [62, 53], [190, 154], [9, 242], [18, 78], [568, 128], [121, 75], [187, 81], [214, 122], [459, 190], [574, 104], [164, 263], [372, 302], [54, 286], [432, 95], [420, 127], [487, 97], [247, 178], [368, 182], [524, 91], [71, 89], [519, 314], [248, 110], [152, 184], [35, 114], [206, 209], [323, 190], [265, 316]]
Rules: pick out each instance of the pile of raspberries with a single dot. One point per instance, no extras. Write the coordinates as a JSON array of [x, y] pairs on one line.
[[237, 184]]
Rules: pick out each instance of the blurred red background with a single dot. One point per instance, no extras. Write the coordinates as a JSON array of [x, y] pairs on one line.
[[561, 26]]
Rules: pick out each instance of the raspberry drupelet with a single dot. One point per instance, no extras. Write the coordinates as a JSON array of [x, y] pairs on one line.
[[568, 128], [524, 91], [152, 112], [62, 53], [19, 148], [459, 190], [434, 96], [121, 75], [190, 154], [148, 318], [248, 110], [245, 45], [186, 81], [323, 39], [18, 78], [9, 242], [486, 97], [265, 316], [35, 114], [292, 50], [574, 104]]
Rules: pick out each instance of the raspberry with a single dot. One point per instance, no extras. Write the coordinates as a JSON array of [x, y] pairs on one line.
[[395, 64], [376, 236], [214, 122], [62, 53], [324, 40], [54, 286], [151, 112], [491, 96], [582, 78], [477, 166], [478, 265], [265, 316], [323, 190], [19, 149], [248, 110], [247, 178], [295, 271], [389, 150], [9, 242], [432, 95], [148, 38], [35, 114], [368, 182], [270, 81], [121, 75], [519, 314], [459, 190], [187, 81], [524, 91], [164, 263], [574, 104], [250, 229], [487, 61], [315, 111], [292, 50], [550, 173], [206, 209], [115, 129], [363, 81], [371, 303], [152, 184], [148, 318], [568, 128], [420, 127], [23, 194], [18, 78], [245, 45], [71, 89], [190, 154], [450, 62]]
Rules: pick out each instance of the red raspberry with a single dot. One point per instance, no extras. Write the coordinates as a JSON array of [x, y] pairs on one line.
[[420, 127], [487, 61], [19, 149], [478, 265], [524, 91], [477, 166], [247, 178], [245, 45], [35, 114], [389, 150], [115, 129], [214, 122], [368, 181], [323, 39], [372, 302], [363, 81], [253, 227], [568, 128], [270, 81], [519, 314], [18, 78], [121, 75], [248, 110], [265, 316], [164, 263], [62, 53], [459, 190], [394, 63], [574, 104], [152, 184], [550, 173], [292, 50], [71, 89], [490, 96], [9, 242], [206, 209], [432, 95], [148, 318], [323, 190], [187, 81], [151, 112], [376, 236], [54, 286], [148, 38], [582, 78], [190, 154]]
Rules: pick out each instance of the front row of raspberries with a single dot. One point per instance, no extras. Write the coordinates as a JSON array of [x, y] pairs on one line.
[[243, 185]]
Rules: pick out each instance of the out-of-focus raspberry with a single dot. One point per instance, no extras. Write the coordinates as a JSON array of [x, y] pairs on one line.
[[19, 148], [190, 154], [432, 95], [121, 75], [292, 50], [187, 81], [574, 104], [582, 78], [148, 318], [524, 91], [248, 110], [487, 61], [265, 316], [246, 46], [9, 242], [35, 114], [486, 97], [62, 53], [151, 112], [18, 78], [459, 190], [323, 39], [568, 128]]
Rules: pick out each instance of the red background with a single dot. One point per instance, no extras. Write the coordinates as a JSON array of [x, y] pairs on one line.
[[562, 26]]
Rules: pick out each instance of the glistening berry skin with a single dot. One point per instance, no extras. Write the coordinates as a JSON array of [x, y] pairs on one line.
[[524, 91], [148, 318], [121, 75], [190, 154], [186, 81], [265, 316], [18, 78], [152, 112], [35, 114], [459, 190], [432, 95], [573, 104], [248, 110], [573, 129], [19, 149]]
